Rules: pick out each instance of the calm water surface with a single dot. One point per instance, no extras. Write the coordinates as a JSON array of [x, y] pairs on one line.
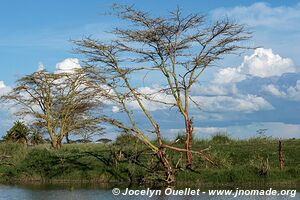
[[70, 193]]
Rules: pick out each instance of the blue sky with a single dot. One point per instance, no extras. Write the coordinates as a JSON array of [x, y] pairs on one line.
[[263, 90]]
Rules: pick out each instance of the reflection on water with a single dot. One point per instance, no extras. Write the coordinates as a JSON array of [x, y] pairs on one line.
[[70, 193]]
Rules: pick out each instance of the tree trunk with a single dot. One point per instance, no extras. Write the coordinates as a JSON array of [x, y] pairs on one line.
[[188, 125], [67, 138], [54, 143], [58, 144], [280, 155], [169, 170]]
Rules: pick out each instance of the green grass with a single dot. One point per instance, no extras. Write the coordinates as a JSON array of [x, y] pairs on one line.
[[128, 160]]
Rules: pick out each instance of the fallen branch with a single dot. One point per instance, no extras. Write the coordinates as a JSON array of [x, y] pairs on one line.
[[195, 152]]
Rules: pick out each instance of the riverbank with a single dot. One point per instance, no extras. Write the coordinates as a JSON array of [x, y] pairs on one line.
[[127, 161]]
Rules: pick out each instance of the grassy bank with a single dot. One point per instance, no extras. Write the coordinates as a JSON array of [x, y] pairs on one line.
[[127, 160]]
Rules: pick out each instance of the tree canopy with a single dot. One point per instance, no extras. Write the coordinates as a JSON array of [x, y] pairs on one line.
[[58, 103]]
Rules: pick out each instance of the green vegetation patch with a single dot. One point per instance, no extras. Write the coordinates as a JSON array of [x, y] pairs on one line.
[[128, 160]]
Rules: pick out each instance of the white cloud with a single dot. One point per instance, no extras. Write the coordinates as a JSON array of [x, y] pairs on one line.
[[274, 129], [264, 63], [222, 95], [229, 75], [207, 116], [2, 85], [210, 89], [4, 89], [41, 67], [237, 103], [273, 90], [293, 92], [7, 109], [68, 65], [261, 14], [209, 130], [115, 109], [242, 103], [156, 97], [200, 132], [214, 88]]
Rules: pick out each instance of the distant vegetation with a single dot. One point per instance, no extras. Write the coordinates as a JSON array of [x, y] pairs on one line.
[[127, 160], [221, 138]]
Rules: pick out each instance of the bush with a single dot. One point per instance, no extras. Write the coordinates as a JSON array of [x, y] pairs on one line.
[[180, 138], [36, 138], [222, 138], [42, 162], [125, 138], [18, 133]]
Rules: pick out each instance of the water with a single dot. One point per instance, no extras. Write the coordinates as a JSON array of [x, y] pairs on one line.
[[71, 193]]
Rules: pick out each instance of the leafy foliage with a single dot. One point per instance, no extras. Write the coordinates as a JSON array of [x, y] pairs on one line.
[[18, 133], [36, 138]]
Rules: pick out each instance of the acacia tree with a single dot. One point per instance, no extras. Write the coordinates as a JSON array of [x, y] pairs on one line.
[[59, 103], [177, 47]]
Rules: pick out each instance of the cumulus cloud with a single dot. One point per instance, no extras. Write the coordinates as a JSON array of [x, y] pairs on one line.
[[221, 94], [293, 92], [229, 75], [290, 93], [68, 65], [273, 90], [264, 63]]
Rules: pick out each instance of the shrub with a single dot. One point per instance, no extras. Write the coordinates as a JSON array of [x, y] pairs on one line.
[[36, 138], [18, 133], [222, 138], [42, 162], [126, 138]]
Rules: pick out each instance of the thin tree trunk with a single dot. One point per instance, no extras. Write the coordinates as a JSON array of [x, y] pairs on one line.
[[67, 138], [188, 125], [280, 155]]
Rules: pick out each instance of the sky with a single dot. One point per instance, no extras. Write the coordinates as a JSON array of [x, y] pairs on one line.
[[259, 89]]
